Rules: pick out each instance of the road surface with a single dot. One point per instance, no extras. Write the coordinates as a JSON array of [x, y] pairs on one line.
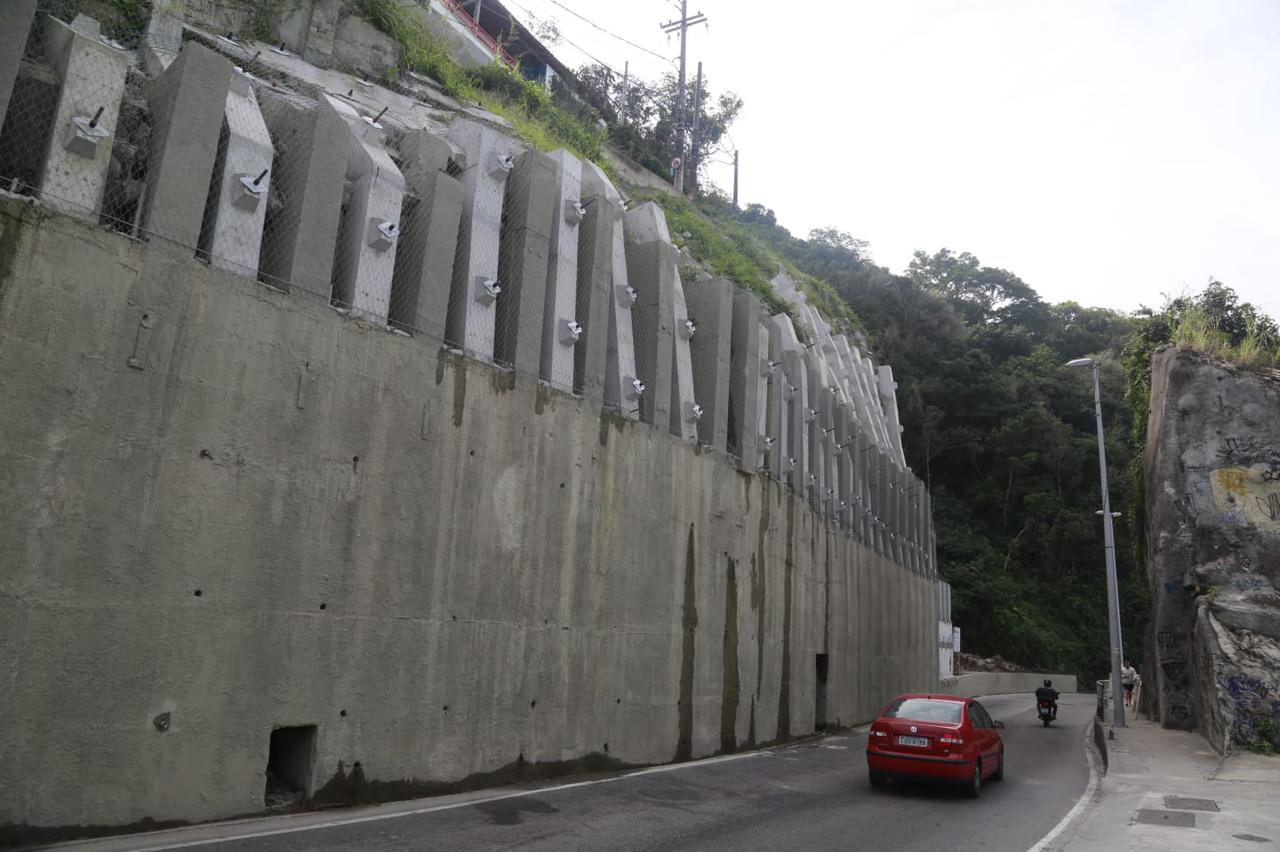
[[814, 795]]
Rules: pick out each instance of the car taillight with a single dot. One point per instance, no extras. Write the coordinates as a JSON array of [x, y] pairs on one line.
[[879, 733], [950, 740]]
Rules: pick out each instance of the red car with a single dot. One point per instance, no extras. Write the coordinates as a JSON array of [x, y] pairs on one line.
[[940, 737]]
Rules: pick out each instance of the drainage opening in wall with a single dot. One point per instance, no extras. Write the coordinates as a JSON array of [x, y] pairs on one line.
[[289, 764], [820, 693]]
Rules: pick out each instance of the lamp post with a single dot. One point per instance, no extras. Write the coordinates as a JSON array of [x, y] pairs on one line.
[[1109, 542]]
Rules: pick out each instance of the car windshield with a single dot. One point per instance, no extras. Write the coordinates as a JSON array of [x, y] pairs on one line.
[[924, 710]]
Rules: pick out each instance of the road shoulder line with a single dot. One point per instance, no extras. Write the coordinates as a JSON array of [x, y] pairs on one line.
[[1091, 794]]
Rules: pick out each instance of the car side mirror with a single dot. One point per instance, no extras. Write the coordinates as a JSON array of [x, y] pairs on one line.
[[999, 724]]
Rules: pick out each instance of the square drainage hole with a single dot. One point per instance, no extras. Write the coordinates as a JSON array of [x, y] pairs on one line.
[[1179, 803], [1177, 819]]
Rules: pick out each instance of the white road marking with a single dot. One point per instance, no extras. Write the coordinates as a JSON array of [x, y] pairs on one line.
[[355, 820], [1085, 799]]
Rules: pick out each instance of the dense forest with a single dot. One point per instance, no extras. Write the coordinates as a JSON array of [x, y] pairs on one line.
[[1002, 431]]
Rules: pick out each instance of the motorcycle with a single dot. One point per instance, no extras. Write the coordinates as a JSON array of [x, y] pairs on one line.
[[1045, 709]]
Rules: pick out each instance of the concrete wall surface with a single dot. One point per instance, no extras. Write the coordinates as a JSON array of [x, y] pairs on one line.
[[1004, 683], [237, 507]]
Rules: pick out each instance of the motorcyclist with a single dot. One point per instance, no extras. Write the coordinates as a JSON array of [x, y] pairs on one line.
[[1048, 694]]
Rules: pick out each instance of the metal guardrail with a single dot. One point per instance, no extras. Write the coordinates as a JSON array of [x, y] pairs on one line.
[[470, 23]]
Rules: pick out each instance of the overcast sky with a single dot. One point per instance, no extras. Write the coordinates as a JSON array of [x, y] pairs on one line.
[[1105, 151]]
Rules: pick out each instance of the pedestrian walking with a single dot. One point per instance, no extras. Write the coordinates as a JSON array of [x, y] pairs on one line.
[[1128, 679]]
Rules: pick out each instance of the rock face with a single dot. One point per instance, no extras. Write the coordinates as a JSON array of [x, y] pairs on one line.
[[1212, 471]]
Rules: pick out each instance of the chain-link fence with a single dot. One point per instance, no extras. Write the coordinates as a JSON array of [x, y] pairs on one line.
[[444, 227]]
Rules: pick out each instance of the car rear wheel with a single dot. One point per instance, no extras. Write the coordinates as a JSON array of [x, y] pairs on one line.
[[998, 775], [974, 788], [878, 779]]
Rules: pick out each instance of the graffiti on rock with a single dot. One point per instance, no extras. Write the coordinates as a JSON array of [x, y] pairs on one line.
[[1247, 451], [1271, 507], [1186, 506], [1248, 582], [1170, 642], [1254, 704], [1246, 496]]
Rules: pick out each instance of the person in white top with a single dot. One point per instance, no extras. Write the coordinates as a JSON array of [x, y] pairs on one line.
[[1128, 677]]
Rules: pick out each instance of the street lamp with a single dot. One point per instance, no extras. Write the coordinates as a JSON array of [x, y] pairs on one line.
[[1109, 542]]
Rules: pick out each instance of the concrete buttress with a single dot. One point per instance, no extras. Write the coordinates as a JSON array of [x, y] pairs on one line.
[[432, 213], [710, 305], [187, 104], [369, 233], [91, 75], [527, 215], [310, 142], [237, 206]]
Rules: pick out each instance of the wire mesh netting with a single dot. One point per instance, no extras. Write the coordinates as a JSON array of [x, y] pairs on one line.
[[331, 187]]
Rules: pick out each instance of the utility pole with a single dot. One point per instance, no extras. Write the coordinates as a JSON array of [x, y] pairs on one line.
[[626, 92], [682, 25], [697, 120], [735, 178]]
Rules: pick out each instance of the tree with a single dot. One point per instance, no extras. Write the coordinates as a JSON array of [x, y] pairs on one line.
[[642, 118]]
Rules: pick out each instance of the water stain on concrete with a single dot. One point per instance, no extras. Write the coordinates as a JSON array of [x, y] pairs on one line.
[[353, 788], [729, 696], [689, 625], [784, 692]]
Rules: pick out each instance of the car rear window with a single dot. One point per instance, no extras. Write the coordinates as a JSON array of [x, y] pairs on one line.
[[925, 710]]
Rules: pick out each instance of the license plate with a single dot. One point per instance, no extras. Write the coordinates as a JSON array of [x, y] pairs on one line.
[[918, 742]]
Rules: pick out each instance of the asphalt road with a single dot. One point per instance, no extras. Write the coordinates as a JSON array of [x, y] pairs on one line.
[[814, 795]]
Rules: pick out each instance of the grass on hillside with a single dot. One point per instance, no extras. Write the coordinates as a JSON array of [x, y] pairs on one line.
[[524, 103], [1196, 330]]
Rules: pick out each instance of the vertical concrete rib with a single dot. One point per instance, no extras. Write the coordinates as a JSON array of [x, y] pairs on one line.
[[595, 305], [748, 375], [187, 103], [525, 242], [237, 209], [763, 382], [562, 330], [16, 17], [487, 159], [301, 226], [605, 216], [797, 463], [651, 269], [710, 306], [686, 411], [776, 433], [369, 233], [432, 212], [91, 74]]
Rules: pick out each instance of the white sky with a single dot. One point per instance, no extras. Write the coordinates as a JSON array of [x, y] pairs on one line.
[[1105, 151]]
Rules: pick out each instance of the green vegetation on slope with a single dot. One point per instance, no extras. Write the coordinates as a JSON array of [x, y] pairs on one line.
[[499, 89]]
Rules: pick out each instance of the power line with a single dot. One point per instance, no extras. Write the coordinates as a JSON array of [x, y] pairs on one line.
[[608, 32], [579, 48]]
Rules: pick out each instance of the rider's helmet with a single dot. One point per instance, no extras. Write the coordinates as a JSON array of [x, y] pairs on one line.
[[1048, 682]]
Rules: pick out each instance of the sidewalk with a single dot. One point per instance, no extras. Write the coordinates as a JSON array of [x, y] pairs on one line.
[[1148, 764]]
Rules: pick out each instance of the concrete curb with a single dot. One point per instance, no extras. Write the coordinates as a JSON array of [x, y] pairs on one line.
[[1080, 811]]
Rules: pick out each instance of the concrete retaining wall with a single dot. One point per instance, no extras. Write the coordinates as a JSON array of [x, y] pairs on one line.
[[1004, 683], [226, 509]]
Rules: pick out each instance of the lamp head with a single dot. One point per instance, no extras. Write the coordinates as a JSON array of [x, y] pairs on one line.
[[1080, 362]]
